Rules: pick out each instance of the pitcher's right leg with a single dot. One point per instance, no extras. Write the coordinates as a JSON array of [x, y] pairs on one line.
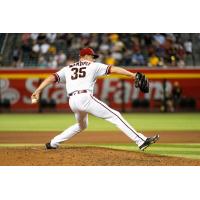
[[82, 119]]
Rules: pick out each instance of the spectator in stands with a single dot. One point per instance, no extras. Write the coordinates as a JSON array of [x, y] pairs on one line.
[[76, 44], [51, 37], [34, 36], [105, 46], [61, 58], [41, 38], [138, 59], [114, 37], [26, 44], [117, 55], [37, 51], [153, 60], [52, 50], [25, 38], [16, 56], [42, 62], [110, 60], [118, 46], [147, 39], [159, 38], [188, 46], [44, 47], [180, 55], [36, 47], [125, 49], [94, 41], [52, 63], [127, 59], [34, 54]]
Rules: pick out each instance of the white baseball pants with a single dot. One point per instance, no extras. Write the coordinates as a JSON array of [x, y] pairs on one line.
[[84, 103]]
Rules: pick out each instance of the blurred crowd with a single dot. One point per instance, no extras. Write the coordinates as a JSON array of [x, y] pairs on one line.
[[51, 50]]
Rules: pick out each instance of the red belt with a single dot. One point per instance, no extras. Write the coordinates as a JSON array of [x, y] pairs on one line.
[[77, 92]]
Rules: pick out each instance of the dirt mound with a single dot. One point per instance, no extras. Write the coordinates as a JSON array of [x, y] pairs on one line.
[[86, 156]]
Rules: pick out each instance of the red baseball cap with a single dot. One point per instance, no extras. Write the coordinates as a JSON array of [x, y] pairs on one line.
[[88, 51]]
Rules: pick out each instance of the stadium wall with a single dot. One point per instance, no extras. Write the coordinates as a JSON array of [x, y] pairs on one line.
[[118, 92]]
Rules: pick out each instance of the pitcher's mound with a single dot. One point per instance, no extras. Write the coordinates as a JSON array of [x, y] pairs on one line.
[[86, 156]]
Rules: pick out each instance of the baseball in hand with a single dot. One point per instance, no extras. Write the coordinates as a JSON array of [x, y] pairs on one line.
[[33, 100]]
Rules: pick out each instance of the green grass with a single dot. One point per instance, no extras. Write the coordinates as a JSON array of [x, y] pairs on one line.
[[140, 121], [177, 150], [58, 122]]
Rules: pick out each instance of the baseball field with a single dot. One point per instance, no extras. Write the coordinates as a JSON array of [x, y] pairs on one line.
[[22, 139]]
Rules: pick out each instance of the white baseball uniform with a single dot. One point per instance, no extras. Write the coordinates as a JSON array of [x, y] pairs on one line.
[[80, 78]]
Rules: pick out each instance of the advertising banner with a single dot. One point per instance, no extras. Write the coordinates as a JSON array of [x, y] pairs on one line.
[[117, 91]]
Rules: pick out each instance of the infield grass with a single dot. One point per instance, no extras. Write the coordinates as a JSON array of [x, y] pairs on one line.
[[177, 150], [58, 122]]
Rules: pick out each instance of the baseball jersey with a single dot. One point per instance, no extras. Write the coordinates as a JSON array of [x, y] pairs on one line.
[[81, 75]]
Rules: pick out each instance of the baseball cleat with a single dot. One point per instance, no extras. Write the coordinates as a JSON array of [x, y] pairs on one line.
[[48, 146], [148, 142]]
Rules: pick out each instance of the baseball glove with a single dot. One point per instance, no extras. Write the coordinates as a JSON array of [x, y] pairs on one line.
[[142, 82]]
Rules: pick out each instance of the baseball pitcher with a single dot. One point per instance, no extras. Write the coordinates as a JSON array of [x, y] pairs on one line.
[[80, 78]]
